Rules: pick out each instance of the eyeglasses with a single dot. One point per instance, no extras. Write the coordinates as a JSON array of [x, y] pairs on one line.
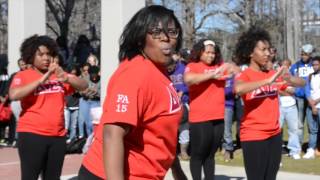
[[172, 33]]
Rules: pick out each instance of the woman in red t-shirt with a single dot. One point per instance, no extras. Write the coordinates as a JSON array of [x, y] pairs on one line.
[[41, 90], [137, 134], [260, 133], [205, 75]]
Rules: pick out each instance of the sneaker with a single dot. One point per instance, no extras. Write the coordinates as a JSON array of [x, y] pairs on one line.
[[296, 156], [310, 154]]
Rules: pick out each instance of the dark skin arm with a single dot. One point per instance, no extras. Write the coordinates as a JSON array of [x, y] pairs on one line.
[[113, 150]]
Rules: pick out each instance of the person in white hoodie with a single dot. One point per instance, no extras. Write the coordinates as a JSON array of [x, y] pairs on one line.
[[289, 114], [312, 91]]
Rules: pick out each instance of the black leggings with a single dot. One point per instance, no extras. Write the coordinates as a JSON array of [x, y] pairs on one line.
[[205, 138], [41, 154], [262, 158], [85, 174]]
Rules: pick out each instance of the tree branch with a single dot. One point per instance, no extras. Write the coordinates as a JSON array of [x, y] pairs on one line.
[[54, 11], [52, 29], [204, 18]]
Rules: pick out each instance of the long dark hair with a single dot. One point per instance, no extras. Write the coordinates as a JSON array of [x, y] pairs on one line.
[[133, 37], [199, 48]]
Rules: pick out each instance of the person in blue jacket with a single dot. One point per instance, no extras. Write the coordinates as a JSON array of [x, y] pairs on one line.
[[302, 68]]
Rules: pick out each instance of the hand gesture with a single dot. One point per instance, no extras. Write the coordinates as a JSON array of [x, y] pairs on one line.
[[61, 75], [281, 71]]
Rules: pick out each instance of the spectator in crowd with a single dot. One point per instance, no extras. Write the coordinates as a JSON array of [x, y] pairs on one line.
[[176, 70], [5, 139], [22, 65], [41, 90], [273, 58], [71, 110], [90, 98], [260, 132], [312, 92], [205, 75], [229, 115], [93, 60], [289, 113], [82, 50], [137, 135], [302, 68], [15, 105], [85, 126]]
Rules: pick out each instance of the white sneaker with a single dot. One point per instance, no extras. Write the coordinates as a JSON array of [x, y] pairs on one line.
[[296, 156], [309, 154]]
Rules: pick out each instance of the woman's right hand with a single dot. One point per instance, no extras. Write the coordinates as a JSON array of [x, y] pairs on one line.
[[280, 72]]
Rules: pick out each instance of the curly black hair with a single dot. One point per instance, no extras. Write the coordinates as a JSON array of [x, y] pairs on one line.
[[247, 42], [30, 46], [199, 48]]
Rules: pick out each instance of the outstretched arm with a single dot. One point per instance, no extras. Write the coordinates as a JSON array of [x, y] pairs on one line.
[[76, 82], [245, 87], [23, 91]]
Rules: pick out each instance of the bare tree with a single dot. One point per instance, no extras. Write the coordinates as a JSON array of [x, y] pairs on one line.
[[61, 11], [3, 26], [292, 25]]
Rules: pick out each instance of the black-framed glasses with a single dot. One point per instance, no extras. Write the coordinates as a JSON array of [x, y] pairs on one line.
[[172, 33]]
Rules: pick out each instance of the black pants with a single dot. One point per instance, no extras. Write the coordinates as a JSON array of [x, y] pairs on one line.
[[85, 174], [262, 158], [41, 154], [12, 129], [205, 138]]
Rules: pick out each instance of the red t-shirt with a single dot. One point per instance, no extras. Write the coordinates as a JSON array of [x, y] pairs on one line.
[[140, 95], [206, 98], [261, 107], [42, 110]]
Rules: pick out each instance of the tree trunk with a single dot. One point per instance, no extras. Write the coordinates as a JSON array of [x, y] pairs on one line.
[[249, 13], [189, 26]]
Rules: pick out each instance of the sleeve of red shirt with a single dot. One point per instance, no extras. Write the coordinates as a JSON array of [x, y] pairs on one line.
[[190, 68], [122, 104], [242, 77], [17, 80]]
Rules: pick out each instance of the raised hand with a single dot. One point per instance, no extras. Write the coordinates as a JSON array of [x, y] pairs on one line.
[[280, 72]]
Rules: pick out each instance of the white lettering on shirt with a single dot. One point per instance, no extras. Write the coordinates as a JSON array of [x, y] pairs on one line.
[[49, 88], [175, 104], [122, 103], [304, 71], [264, 91]]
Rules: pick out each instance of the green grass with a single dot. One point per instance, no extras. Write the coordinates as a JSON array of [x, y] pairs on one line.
[[310, 166]]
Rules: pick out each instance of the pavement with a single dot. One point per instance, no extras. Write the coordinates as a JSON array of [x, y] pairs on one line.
[[10, 169]]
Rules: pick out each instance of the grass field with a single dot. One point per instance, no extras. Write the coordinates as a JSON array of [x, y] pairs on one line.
[[310, 166]]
